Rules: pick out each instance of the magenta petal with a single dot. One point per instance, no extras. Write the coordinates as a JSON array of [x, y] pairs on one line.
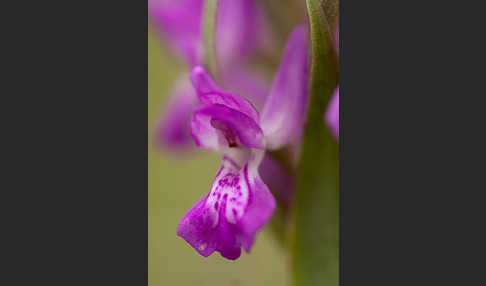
[[229, 217], [217, 127], [284, 112], [247, 83], [194, 228], [172, 130], [179, 21], [278, 179], [210, 93], [332, 114], [258, 212]]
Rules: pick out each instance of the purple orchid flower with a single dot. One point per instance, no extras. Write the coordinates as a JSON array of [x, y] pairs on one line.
[[332, 112], [240, 30], [240, 203]]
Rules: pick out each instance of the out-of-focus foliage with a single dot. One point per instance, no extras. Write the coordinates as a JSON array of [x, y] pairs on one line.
[[316, 233]]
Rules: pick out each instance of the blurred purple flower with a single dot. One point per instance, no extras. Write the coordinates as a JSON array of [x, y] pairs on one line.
[[179, 22], [239, 27], [332, 114], [169, 131], [239, 31], [239, 203]]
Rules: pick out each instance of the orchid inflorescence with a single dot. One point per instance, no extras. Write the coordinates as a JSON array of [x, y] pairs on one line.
[[239, 115]]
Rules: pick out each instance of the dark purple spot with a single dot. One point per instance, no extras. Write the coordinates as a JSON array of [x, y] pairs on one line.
[[228, 133], [235, 212], [225, 196], [216, 205]]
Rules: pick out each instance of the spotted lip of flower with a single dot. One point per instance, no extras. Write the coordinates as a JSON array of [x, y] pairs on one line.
[[240, 203]]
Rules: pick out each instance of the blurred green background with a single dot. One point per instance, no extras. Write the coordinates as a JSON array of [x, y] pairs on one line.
[[177, 182]]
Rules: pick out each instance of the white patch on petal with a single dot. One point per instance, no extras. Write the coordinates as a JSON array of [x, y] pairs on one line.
[[202, 132], [237, 200], [229, 193]]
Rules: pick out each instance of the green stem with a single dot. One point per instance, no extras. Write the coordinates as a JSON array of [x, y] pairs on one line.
[[315, 244], [209, 32]]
